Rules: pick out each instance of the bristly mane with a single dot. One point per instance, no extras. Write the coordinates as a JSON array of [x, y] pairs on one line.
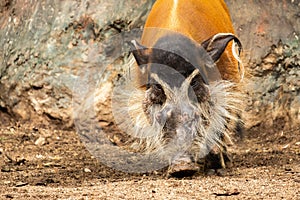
[[219, 113]]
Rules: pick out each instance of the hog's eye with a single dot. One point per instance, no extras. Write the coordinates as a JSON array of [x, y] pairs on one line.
[[156, 94], [199, 89]]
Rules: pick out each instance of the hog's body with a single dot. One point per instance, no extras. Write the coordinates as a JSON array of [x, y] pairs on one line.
[[188, 101]]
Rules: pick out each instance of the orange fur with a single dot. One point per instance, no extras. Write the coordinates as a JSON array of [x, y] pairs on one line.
[[197, 19]]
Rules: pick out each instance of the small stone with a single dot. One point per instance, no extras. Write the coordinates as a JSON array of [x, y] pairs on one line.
[[36, 54], [39, 156], [221, 172], [87, 170], [5, 169], [27, 55], [48, 164], [210, 172], [40, 141], [6, 182], [286, 146], [21, 184]]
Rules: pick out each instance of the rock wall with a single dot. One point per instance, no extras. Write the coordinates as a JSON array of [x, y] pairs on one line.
[[261, 24], [270, 32], [46, 46]]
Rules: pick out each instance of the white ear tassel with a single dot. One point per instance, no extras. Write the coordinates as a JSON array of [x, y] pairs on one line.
[[186, 84], [237, 57]]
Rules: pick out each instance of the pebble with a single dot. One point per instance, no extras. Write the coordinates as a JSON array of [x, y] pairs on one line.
[[40, 141], [36, 54], [21, 184], [48, 164], [87, 170], [5, 169]]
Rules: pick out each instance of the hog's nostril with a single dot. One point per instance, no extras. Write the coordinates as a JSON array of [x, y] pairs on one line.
[[159, 118]]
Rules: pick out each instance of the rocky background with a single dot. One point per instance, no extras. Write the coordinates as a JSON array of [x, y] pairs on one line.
[[46, 47], [270, 32]]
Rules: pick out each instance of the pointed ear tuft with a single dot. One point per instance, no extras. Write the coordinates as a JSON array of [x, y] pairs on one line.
[[216, 45], [140, 53]]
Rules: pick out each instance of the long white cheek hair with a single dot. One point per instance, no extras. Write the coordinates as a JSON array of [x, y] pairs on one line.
[[220, 113]]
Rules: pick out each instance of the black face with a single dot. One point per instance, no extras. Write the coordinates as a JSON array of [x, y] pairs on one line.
[[181, 54], [173, 58], [197, 91], [161, 62], [169, 64]]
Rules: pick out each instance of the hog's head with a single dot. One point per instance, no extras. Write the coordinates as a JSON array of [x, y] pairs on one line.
[[185, 103]]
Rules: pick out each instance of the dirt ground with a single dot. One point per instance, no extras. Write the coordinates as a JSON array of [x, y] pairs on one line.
[[39, 162]]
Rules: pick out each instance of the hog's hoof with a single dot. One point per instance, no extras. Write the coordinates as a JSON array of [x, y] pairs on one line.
[[183, 169], [220, 160], [216, 172]]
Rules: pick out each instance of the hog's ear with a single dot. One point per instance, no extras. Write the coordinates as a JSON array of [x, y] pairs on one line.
[[140, 53], [216, 45]]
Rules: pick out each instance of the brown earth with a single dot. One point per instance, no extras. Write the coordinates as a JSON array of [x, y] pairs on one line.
[[49, 163]]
